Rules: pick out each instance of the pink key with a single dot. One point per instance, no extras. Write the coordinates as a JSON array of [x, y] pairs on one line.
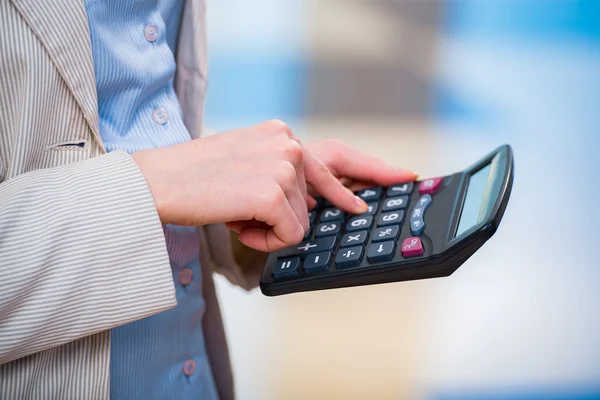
[[412, 247], [431, 185]]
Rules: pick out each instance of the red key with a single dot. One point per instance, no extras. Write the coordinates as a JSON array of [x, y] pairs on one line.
[[431, 185], [412, 247]]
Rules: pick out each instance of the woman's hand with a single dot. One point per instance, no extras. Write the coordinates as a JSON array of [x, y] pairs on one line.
[[255, 179]]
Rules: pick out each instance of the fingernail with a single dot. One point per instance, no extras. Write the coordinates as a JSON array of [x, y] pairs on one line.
[[361, 205], [415, 175]]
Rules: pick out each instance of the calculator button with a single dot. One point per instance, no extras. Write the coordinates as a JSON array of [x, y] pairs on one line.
[[349, 257], [317, 262], [412, 247], [401, 189], [309, 247], [391, 218], [312, 216], [386, 233], [373, 207], [371, 194], [395, 203], [354, 239], [380, 252], [288, 268], [417, 223], [359, 222], [332, 214], [430, 186], [328, 229]]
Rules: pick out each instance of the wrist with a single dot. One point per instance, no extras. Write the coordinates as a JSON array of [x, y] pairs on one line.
[[145, 161]]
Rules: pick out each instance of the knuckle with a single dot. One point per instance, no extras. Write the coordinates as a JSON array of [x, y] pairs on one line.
[[286, 174], [273, 198], [293, 152], [281, 127]]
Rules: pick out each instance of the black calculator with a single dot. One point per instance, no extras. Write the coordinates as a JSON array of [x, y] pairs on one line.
[[413, 230]]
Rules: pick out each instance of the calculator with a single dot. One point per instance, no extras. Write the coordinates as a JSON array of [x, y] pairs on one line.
[[412, 230]]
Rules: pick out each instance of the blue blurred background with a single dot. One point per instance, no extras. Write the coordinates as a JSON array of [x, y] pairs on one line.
[[430, 85]]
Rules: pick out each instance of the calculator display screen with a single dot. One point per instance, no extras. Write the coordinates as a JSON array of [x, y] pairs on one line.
[[475, 203]]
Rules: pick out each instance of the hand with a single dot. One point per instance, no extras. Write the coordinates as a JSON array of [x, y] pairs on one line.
[[255, 179], [356, 169]]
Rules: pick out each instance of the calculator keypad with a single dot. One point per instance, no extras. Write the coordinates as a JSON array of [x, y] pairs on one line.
[[417, 223], [359, 222], [328, 228], [412, 247], [400, 190], [373, 207], [349, 257], [386, 233], [312, 246], [332, 214], [287, 268], [395, 203], [372, 236], [380, 252], [371, 194], [391, 218], [317, 262], [354, 239]]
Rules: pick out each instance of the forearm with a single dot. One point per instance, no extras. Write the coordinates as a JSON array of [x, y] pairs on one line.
[[81, 250]]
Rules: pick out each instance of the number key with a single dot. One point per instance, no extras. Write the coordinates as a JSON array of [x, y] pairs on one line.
[[371, 194], [391, 218], [395, 203], [373, 207], [328, 229], [332, 214], [359, 222], [400, 189]]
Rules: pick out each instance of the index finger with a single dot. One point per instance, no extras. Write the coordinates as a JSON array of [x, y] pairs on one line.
[[364, 167], [320, 178]]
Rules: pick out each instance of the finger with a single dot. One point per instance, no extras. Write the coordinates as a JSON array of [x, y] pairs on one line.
[[364, 167], [286, 228], [303, 194], [311, 202], [291, 179], [238, 226], [322, 180], [235, 226]]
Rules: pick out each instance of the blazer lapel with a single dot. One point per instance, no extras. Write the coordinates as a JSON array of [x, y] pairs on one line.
[[62, 28]]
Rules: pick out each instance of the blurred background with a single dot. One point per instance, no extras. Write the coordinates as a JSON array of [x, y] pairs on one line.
[[430, 85]]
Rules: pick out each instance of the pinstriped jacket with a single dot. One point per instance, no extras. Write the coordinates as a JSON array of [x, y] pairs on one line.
[[81, 245]]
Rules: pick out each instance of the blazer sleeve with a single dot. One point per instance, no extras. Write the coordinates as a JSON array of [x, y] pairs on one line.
[[82, 250]]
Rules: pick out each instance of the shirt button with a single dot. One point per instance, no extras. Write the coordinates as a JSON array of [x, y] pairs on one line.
[[185, 276], [160, 116], [189, 367], [151, 33]]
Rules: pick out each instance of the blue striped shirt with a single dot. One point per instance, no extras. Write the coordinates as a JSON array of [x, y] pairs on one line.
[[133, 46]]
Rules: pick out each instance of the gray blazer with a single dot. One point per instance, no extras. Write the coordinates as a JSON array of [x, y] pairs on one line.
[[81, 245]]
